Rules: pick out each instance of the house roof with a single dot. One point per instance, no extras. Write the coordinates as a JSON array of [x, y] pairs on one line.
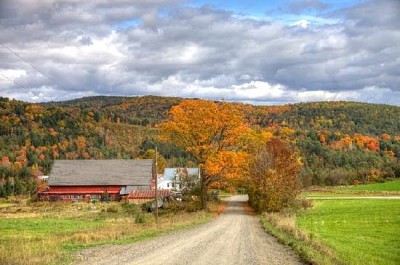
[[169, 173], [123, 172]]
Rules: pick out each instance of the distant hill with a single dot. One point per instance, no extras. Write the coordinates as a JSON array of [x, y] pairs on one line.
[[340, 142], [131, 110], [347, 117]]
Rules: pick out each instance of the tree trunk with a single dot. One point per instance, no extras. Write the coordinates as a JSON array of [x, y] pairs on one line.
[[203, 193]]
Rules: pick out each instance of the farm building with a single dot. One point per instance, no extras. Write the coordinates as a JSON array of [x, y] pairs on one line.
[[142, 196], [178, 179], [86, 180]]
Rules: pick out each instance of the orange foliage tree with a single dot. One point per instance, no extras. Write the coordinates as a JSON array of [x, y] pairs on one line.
[[204, 129], [273, 177], [226, 167]]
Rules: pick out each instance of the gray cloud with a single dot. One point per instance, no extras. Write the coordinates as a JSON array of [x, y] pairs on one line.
[[166, 48], [298, 6]]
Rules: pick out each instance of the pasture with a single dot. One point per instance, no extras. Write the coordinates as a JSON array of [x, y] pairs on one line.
[[48, 233], [343, 225], [388, 186], [358, 231]]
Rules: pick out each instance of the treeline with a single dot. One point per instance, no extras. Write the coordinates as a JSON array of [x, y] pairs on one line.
[[346, 142], [33, 135], [339, 142], [142, 111]]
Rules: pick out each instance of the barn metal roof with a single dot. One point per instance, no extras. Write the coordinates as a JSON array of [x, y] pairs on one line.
[[123, 172], [146, 194]]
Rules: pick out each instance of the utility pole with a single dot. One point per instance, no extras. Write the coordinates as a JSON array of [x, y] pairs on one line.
[[156, 189]]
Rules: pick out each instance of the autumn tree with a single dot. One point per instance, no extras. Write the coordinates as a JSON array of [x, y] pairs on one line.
[[151, 154], [204, 129], [226, 167], [273, 177]]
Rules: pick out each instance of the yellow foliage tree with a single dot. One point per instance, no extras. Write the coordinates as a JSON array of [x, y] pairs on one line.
[[227, 166], [204, 128]]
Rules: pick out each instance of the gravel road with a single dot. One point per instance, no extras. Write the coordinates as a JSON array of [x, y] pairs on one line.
[[233, 238]]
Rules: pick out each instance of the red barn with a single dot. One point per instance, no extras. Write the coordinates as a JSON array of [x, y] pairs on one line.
[[85, 180]]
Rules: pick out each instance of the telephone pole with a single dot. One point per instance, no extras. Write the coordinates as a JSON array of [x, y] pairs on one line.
[[156, 188]]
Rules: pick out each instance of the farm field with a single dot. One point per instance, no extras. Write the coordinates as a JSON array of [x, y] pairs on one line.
[[358, 231], [48, 233], [388, 186], [344, 225]]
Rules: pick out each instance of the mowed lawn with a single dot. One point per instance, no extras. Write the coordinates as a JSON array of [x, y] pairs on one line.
[[360, 231]]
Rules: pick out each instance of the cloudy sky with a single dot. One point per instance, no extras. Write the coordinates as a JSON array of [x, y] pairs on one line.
[[260, 52]]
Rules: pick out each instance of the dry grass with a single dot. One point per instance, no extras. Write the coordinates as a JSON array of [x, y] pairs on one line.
[[47, 233]]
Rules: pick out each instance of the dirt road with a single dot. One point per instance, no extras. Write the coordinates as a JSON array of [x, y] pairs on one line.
[[233, 238]]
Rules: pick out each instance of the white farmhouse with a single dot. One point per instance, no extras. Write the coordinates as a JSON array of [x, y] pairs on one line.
[[179, 179]]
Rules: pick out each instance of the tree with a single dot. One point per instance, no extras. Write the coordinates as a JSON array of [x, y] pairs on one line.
[[273, 177], [204, 128], [227, 166], [161, 163]]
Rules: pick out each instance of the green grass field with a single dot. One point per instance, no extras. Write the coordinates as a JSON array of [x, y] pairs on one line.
[[386, 186], [358, 231], [48, 233]]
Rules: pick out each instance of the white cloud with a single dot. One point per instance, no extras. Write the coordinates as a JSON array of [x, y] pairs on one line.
[[258, 89], [164, 48], [302, 23]]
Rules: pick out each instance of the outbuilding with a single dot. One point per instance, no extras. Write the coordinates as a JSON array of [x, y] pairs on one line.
[[97, 180]]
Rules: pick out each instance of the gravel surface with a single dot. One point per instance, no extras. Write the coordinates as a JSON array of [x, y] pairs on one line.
[[233, 238]]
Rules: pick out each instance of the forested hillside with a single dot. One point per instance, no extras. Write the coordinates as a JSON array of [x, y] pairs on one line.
[[339, 142]]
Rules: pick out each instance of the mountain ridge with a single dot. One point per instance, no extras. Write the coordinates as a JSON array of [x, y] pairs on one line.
[[340, 142]]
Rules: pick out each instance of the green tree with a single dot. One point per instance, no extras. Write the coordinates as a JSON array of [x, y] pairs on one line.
[[161, 163]]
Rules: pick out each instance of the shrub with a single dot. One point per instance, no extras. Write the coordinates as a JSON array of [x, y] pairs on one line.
[[131, 208], [112, 209], [139, 218]]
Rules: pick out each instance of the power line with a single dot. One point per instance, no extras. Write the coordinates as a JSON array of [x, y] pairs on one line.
[[29, 63], [19, 85], [9, 79], [26, 119]]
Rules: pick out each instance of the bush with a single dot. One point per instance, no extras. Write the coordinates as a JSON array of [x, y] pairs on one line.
[[112, 209], [139, 218], [131, 208]]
